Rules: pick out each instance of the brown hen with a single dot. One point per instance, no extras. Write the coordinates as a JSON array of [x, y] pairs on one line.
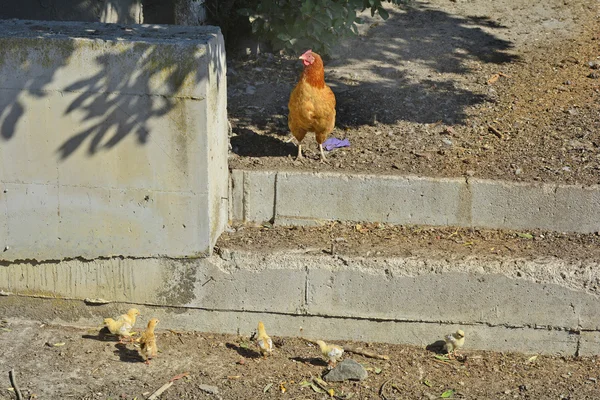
[[312, 103]]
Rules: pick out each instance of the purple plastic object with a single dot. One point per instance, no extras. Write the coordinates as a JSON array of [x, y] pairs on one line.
[[334, 143]]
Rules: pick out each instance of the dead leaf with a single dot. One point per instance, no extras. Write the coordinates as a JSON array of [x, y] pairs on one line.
[[316, 388], [532, 359], [377, 371], [447, 394], [59, 344], [266, 389], [525, 235], [493, 79], [331, 392], [282, 387], [427, 383]]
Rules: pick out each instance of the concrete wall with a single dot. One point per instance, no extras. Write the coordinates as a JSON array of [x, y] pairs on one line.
[[301, 198], [113, 140], [502, 304]]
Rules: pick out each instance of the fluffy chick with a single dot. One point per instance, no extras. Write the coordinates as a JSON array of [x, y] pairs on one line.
[[454, 341], [331, 352], [148, 348], [119, 327], [263, 341], [130, 317]]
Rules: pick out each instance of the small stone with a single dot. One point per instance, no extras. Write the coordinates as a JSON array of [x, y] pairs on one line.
[[594, 64], [518, 171], [470, 172], [209, 389], [566, 169], [347, 370], [447, 142], [594, 75], [250, 89]]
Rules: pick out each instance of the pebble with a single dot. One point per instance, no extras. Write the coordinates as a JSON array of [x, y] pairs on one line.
[[347, 370], [250, 89], [594, 64], [209, 389], [447, 142], [594, 75]]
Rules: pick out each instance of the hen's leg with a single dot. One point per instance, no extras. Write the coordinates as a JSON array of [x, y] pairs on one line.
[[299, 156], [323, 158]]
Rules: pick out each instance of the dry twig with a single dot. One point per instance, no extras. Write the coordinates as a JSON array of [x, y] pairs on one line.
[[13, 382]]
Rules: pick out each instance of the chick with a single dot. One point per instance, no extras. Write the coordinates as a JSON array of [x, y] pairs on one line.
[[119, 327], [331, 352], [263, 341], [147, 341], [454, 341], [130, 317]]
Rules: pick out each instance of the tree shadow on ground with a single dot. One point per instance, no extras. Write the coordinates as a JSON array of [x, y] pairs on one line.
[[414, 67]]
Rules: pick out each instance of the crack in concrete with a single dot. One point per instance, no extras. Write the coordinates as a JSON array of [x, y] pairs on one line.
[[305, 313], [35, 262]]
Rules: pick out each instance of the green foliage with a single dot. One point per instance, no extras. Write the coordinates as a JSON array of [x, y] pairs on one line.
[[296, 25]]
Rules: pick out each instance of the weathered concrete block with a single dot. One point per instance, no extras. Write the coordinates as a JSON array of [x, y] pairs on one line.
[[253, 195], [307, 198], [391, 199], [113, 140], [504, 205], [589, 344], [438, 297]]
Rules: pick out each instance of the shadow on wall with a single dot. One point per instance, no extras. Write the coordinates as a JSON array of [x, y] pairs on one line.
[[131, 81]]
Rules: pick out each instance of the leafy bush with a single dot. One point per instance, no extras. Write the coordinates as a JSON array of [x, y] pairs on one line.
[[295, 25]]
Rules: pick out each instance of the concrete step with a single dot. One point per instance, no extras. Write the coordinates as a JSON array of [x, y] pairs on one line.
[[300, 198], [529, 301]]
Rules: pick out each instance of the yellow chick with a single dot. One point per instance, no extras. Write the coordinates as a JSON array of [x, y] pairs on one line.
[[119, 327], [147, 341], [331, 352], [263, 341], [130, 317], [454, 341]]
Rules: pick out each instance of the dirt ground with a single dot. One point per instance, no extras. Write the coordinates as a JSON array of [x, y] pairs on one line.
[[52, 362], [386, 240], [420, 94]]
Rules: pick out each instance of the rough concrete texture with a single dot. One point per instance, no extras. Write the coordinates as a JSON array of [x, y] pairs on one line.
[[510, 304], [113, 140], [307, 198], [530, 340]]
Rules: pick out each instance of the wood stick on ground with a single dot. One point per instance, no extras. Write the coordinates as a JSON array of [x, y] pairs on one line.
[[13, 382], [495, 131], [167, 385], [382, 389], [360, 351], [160, 391]]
